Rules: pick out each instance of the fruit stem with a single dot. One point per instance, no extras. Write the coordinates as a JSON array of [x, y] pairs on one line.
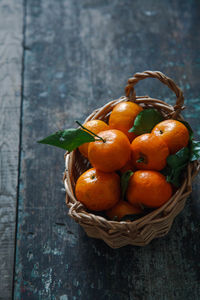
[[94, 134], [140, 160]]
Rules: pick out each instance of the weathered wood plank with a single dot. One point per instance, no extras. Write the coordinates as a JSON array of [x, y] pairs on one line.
[[79, 54], [11, 27]]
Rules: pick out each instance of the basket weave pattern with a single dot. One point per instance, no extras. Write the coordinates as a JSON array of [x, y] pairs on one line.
[[153, 225]]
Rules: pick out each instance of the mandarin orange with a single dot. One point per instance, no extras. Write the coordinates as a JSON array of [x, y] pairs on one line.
[[149, 152], [122, 209], [98, 190], [112, 153], [122, 117], [148, 188], [95, 126], [173, 133]]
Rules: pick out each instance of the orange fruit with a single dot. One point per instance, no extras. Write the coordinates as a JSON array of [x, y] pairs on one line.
[[148, 188], [112, 153], [173, 133], [95, 126], [122, 117], [149, 152], [121, 209], [98, 190]]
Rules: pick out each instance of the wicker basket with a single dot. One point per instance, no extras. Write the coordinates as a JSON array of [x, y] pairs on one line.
[[153, 225]]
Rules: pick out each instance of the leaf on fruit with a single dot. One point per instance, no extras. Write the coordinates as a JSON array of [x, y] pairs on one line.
[[189, 128], [175, 175], [69, 139], [179, 158], [124, 182], [146, 120], [194, 146], [194, 150], [176, 163]]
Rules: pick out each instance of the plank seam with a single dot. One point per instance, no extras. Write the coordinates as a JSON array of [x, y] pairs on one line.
[[20, 139]]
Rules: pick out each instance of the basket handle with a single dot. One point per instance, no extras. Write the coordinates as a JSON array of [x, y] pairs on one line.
[[130, 91]]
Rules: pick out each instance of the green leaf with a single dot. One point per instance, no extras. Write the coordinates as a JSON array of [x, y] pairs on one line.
[[194, 146], [175, 175], [194, 150], [176, 163], [179, 158], [124, 182], [69, 139], [165, 171], [146, 120], [189, 128]]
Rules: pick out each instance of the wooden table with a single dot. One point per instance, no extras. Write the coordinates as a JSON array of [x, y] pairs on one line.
[[59, 61]]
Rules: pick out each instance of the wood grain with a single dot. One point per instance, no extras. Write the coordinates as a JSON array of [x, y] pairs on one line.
[[11, 19], [78, 55]]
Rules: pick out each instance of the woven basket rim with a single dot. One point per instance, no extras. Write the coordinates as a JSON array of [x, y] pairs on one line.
[[82, 209]]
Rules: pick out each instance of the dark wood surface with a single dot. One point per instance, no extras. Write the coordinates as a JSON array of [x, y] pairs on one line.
[[11, 22], [77, 55]]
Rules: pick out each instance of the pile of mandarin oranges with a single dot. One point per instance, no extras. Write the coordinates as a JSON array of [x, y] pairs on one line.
[[116, 151]]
